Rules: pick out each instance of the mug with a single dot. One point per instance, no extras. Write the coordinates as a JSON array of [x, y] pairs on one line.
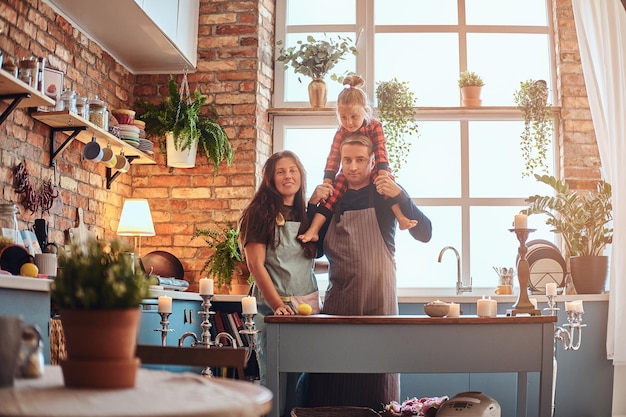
[[93, 151], [21, 352], [108, 157], [122, 164], [504, 289], [47, 263]]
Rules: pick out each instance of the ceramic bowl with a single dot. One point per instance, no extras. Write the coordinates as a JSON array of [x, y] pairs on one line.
[[437, 309]]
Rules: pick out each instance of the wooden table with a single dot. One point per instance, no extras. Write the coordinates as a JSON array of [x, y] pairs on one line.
[[157, 393], [413, 344]]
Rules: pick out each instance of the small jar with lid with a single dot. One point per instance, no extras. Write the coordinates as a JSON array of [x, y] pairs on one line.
[[82, 107], [68, 100], [98, 113], [28, 71], [8, 220]]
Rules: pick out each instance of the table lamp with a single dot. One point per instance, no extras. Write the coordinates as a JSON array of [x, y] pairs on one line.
[[136, 221]]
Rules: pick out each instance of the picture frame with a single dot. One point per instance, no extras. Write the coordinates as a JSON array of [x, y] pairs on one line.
[[53, 87]]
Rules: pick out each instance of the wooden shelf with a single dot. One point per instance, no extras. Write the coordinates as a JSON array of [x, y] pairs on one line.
[[84, 131], [19, 94]]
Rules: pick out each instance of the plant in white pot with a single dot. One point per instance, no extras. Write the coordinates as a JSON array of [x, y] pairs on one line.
[[583, 221], [315, 59], [181, 125], [98, 292], [471, 85]]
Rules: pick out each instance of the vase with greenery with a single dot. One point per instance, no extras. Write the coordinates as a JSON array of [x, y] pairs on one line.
[[226, 258], [583, 219], [98, 292], [532, 100], [315, 58], [396, 111], [190, 121], [471, 85]]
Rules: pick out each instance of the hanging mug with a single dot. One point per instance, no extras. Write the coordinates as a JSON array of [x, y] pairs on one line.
[[108, 157], [122, 164], [93, 151]]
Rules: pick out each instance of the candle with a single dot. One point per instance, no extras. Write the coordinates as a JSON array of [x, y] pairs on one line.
[[574, 306], [533, 301], [551, 288], [455, 310], [206, 286], [165, 304], [483, 307], [520, 221], [493, 307], [248, 305]]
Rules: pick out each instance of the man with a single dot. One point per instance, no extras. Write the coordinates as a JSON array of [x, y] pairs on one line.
[[360, 245]]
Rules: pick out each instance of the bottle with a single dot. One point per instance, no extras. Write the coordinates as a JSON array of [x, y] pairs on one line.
[[8, 221]]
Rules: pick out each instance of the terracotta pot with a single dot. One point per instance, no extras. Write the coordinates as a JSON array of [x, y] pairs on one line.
[[99, 343], [317, 93], [589, 273], [471, 96]]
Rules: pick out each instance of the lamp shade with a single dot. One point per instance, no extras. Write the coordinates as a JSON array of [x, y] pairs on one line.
[[136, 219]]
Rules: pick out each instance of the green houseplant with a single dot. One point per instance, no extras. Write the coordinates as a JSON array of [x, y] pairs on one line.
[[471, 85], [183, 118], [582, 219], [315, 59], [226, 259], [396, 112], [98, 292], [532, 100]]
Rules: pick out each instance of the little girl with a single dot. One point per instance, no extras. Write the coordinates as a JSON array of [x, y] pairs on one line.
[[353, 113]]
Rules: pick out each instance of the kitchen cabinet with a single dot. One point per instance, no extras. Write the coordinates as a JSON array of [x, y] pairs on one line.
[[18, 94], [146, 36], [85, 131]]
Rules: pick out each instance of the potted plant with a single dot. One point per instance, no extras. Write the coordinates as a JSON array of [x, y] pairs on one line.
[[583, 222], [180, 125], [471, 85], [315, 59], [396, 112], [532, 101], [98, 292], [226, 261]]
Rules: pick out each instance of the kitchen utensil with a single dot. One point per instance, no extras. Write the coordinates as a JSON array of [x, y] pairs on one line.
[[80, 235], [163, 264], [470, 404], [41, 231], [93, 151], [12, 258]]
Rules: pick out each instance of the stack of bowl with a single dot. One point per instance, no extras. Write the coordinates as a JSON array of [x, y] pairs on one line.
[[124, 116]]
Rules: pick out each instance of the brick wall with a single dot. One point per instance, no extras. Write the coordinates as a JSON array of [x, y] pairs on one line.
[[235, 70]]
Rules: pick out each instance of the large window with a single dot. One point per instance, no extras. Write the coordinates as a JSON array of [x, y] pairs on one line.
[[465, 168]]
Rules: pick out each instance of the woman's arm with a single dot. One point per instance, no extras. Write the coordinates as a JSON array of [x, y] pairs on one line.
[[255, 258]]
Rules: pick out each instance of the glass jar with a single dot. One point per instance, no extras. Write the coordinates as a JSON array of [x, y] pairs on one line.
[[8, 221], [82, 107], [28, 71], [98, 113], [68, 100]]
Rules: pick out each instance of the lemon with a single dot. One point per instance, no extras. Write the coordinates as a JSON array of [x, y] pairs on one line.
[[29, 270], [304, 309]]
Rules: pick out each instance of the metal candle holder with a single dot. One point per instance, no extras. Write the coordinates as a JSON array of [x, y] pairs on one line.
[[569, 334], [164, 328], [523, 304], [250, 332]]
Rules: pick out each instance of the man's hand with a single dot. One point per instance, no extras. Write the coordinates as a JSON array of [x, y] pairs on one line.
[[322, 193], [386, 186]]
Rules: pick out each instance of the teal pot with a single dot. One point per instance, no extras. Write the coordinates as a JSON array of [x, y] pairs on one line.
[[589, 273]]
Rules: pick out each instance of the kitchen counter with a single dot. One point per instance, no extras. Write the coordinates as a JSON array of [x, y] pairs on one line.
[[16, 282]]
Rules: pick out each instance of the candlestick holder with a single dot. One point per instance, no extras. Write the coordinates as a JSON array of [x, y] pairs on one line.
[[250, 332], [523, 304], [164, 328]]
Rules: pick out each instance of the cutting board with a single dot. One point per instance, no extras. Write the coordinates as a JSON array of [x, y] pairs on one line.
[[80, 235]]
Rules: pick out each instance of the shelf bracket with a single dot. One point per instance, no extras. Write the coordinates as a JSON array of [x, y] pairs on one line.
[[111, 177], [75, 131], [16, 101]]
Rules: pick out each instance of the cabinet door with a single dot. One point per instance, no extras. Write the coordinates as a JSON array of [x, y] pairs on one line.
[[165, 14], [187, 33]]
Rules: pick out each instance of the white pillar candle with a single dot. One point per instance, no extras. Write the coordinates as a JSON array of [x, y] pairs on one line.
[[521, 221], [206, 286], [454, 311], [551, 288], [165, 304], [248, 305], [493, 307], [483, 307], [575, 306]]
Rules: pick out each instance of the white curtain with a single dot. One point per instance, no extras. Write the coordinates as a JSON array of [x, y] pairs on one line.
[[601, 30]]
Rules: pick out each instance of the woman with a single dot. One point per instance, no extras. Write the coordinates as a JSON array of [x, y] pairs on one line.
[[281, 265]]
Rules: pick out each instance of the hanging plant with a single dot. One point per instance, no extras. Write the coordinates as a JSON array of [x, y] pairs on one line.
[[532, 101], [396, 112]]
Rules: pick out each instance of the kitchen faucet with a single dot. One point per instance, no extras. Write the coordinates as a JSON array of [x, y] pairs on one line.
[[460, 288]]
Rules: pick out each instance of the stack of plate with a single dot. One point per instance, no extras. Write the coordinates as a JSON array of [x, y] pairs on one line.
[[129, 134], [146, 146]]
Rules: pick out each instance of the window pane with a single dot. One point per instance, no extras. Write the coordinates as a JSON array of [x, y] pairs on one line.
[[304, 13], [509, 12], [411, 12], [504, 60], [495, 146], [429, 62], [433, 168]]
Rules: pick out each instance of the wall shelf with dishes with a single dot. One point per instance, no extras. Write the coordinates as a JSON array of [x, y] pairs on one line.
[[83, 130], [19, 94]]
